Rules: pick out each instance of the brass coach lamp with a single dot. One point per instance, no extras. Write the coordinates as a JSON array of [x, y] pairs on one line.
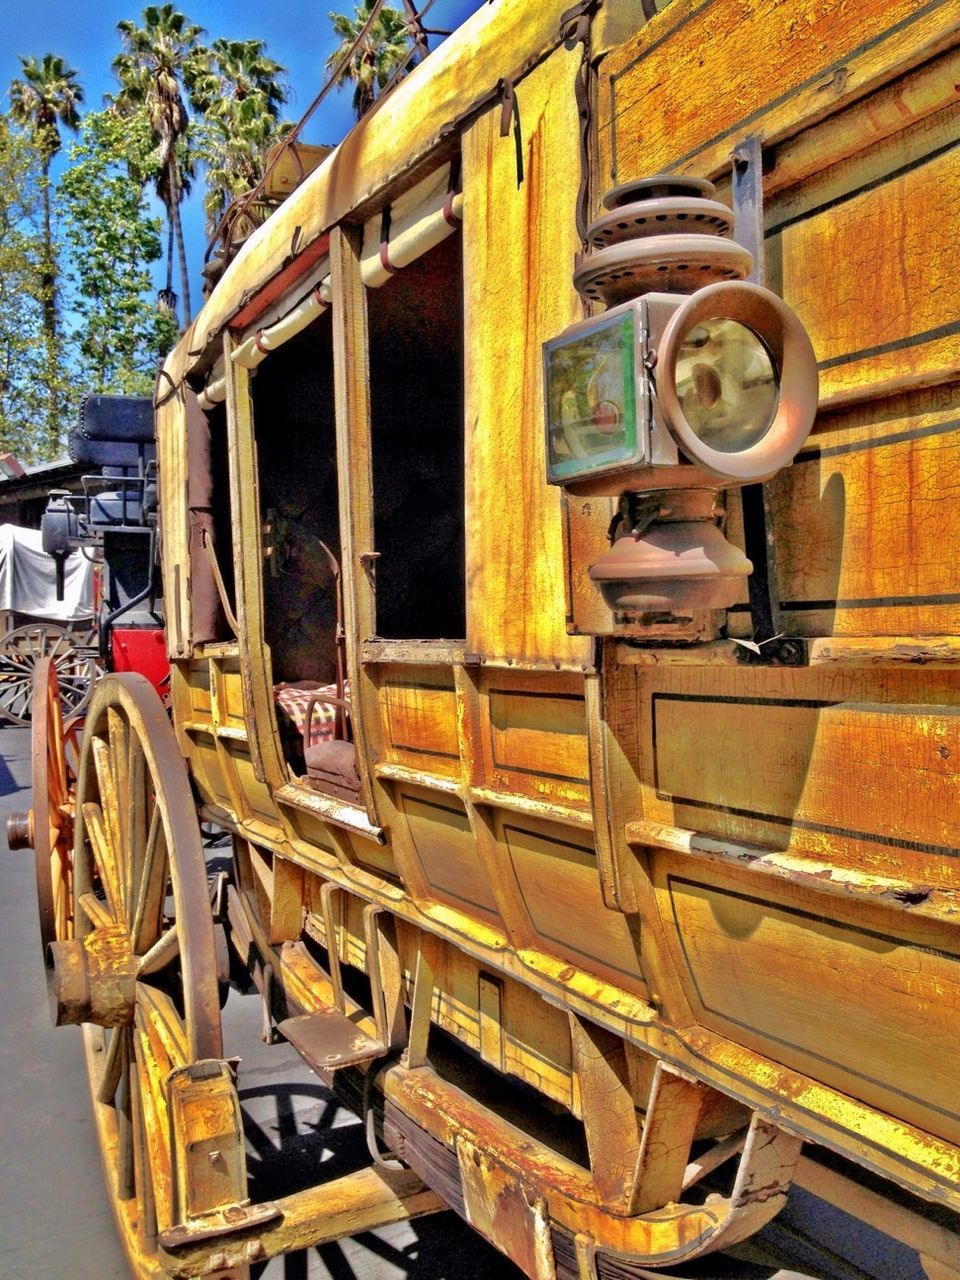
[[691, 381]]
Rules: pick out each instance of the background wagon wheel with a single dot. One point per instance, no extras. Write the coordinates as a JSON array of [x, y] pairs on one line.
[[53, 752], [139, 872], [20, 651]]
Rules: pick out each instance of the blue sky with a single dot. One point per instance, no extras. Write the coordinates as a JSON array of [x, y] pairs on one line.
[[297, 34]]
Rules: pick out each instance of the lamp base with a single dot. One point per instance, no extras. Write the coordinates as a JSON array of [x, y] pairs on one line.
[[675, 561]]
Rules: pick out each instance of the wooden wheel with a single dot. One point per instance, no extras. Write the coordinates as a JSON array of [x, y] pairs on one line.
[[141, 898], [54, 758], [22, 649]]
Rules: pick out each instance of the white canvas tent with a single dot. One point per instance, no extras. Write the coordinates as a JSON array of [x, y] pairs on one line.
[[28, 579]]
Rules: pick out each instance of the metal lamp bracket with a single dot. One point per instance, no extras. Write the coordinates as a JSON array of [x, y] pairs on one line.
[[758, 532]]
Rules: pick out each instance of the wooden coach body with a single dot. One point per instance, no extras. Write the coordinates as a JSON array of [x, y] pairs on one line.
[[684, 893]]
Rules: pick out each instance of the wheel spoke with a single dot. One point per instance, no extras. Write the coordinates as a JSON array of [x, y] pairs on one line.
[[94, 910], [93, 823], [136, 820], [126, 1185], [119, 771], [142, 1171], [153, 1107], [161, 953], [62, 875], [112, 1070], [110, 805], [153, 884], [160, 1022]]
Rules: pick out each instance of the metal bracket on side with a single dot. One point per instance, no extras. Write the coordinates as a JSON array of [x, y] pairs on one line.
[[747, 196], [758, 532]]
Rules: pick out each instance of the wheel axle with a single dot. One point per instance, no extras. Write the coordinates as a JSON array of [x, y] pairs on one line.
[[20, 830]]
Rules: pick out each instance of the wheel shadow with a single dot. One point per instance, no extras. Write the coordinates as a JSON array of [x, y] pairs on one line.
[[299, 1134], [8, 783]]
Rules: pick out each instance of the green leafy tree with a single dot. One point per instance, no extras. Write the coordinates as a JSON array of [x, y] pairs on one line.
[[151, 70], [117, 335], [23, 398], [382, 51], [239, 92], [45, 98]]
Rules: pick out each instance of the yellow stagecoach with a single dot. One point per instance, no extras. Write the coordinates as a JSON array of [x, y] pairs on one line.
[[559, 545]]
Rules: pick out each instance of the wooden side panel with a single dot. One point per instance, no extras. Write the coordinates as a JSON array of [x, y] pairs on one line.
[[535, 1036], [867, 522], [230, 697], [866, 258], [533, 738], [171, 428], [519, 241], [257, 803], [812, 991], [773, 68], [440, 831], [556, 875], [196, 690], [419, 714], [207, 772], [858, 767]]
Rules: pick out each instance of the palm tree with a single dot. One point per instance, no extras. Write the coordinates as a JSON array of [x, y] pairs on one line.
[[382, 51], [151, 70], [47, 97], [239, 91]]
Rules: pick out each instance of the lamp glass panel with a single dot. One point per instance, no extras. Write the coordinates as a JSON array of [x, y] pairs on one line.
[[591, 399], [727, 385]]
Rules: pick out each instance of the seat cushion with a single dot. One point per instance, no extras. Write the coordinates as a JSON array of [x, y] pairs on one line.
[[332, 769], [293, 698]]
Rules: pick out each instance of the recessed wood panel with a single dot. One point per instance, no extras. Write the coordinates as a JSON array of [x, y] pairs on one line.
[[534, 737], [858, 1006], [257, 800], [230, 698], [559, 887], [867, 271], [206, 771], [197, 678], [419, 712], [444, 843], [858, 767], [772, 67], [868, 528], [377, 858]]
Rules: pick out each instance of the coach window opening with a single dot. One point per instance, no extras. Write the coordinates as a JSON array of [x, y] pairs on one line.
[[213, 592], [290, 360], [411, 265]]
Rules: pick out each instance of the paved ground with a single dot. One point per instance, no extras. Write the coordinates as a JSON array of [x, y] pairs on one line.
[[55, 1223]]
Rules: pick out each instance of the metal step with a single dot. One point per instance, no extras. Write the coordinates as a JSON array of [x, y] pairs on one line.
[[329, 1039]]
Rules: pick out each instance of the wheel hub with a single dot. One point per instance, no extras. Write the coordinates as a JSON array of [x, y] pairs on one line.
[[93, 980]]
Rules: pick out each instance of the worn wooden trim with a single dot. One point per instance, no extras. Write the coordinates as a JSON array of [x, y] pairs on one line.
[[351, 377], [417, 778], [345, 1206], [425, 653], [616, 885], [548, 810], [892, 53], [259, 711], [348, 816], [821, 651], [942, 905], [906, 101]]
